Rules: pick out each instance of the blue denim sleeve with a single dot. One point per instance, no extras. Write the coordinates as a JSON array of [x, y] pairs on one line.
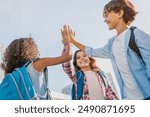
[[104, 52], [143, 43]]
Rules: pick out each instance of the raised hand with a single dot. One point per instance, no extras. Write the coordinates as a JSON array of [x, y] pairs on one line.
[[65, 35], [71, 34]]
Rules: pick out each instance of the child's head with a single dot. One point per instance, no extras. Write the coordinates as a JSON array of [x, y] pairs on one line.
[[116, 6], [19, 51], [81, 61]]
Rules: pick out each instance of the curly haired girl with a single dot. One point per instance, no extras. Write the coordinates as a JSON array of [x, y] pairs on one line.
[[24, 49]]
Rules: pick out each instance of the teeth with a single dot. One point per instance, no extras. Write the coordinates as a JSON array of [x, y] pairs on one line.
[[83, 61]]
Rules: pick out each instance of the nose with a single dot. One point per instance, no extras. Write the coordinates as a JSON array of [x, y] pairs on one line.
[[82, 58], [105, 20]]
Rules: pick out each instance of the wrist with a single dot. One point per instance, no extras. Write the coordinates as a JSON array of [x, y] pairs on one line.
[[67, 44]]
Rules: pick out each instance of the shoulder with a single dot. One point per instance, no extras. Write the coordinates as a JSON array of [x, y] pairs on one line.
[[141, 37], [79, 74], [101, 72], [31, 69], [110, 40], [140, 33]]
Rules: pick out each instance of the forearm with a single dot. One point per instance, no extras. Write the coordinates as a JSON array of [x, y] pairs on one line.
[[40, 64], [68, 70], [78, 45]]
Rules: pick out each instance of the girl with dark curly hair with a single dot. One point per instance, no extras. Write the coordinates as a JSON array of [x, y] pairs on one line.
[[24, 49]]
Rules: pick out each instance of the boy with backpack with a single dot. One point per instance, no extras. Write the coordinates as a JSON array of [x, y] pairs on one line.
[[129, 51]]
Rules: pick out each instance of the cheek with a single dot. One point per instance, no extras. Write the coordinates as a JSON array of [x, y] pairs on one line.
[[88, 60], [77, 62]]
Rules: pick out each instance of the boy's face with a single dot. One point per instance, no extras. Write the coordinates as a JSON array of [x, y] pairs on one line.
[[111, 19]]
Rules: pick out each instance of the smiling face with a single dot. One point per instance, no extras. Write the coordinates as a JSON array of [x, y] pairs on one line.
[[119, 12], [81, 61], [112, 19]]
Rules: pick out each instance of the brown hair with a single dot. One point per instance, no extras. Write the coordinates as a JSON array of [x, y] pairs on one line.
[[92, 62], [18, 52], [125, 5]]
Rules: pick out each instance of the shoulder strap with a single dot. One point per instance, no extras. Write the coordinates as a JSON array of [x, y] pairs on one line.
[[49, 97], [46, 78], [80, 84], [133, 45], [26, 63], [104, 78]]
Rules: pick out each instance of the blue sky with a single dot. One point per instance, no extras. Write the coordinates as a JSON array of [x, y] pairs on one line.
[[42, 19]]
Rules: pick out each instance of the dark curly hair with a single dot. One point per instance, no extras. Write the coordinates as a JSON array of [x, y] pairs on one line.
[[92, 62], [18, 52], [125, 5]]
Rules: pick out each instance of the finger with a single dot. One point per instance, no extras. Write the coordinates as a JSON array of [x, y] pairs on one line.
[[68, 28], [65, 27], [70, 31], [61, 31], [63, 34], [74, 33]]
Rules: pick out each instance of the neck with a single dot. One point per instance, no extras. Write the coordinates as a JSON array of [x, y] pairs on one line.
[[121, 27], [86, 68]]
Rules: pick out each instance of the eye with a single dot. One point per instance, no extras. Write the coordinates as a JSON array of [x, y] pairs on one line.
[[78, 57], [106, 15], [84, 55]]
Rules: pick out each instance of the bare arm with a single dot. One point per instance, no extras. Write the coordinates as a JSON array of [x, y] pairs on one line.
[[40, 64], [77, 44], [104, 52]]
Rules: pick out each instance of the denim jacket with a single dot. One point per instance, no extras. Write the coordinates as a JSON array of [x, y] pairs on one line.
[[139, 71]]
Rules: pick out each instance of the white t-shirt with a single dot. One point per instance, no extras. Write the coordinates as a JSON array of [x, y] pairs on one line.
[[95, 90], [38, 81], [119, 53]]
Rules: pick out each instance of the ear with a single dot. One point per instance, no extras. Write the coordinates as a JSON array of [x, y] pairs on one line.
[[121, 13]]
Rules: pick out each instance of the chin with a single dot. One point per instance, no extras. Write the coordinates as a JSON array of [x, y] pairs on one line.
[[110, 28]]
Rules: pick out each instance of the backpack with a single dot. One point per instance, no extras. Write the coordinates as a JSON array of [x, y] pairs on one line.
[[18, 86], [78, 90], [133, 45]]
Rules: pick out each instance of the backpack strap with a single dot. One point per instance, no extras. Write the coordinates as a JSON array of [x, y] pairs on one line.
[[46, 78], [104, 78], [27, 62], [133, 45], [80, 84], [49, 97]]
